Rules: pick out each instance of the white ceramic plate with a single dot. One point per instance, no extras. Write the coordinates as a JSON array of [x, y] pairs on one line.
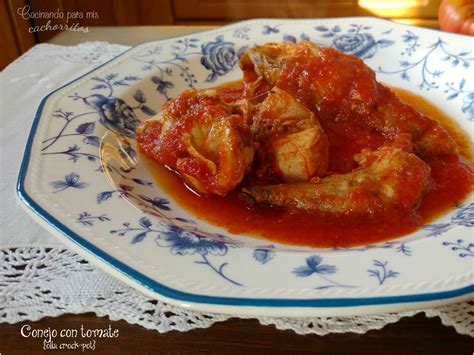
[[116, 216]]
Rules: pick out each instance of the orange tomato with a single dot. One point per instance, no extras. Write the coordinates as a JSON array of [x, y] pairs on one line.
[[457, 16]]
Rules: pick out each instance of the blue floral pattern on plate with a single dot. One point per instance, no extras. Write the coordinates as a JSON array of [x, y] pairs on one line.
[[219, 57], [463, 216], [314, 266], [356, 40], [381, 271], [70, 181], [182, 241], [82, 149], [263, 255]]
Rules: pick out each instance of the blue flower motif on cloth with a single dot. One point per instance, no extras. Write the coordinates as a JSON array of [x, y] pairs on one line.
[[70, 181], [263, 256], [183, 241], [381, 272], [360, 44], [463, 216], [464, 248], [314, 266], [219, 57]]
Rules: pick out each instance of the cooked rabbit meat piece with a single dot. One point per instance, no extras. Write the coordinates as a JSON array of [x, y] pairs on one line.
[[341, 87], [292, 144], [202, 138], [387, 178]]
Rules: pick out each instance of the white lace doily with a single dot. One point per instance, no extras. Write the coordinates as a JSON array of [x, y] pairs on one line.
[[39, 277]]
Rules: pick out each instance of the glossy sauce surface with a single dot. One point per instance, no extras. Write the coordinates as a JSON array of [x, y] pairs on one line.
[[452, 181]]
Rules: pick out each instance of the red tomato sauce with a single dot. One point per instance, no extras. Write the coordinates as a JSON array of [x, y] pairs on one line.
[[452, 181]]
